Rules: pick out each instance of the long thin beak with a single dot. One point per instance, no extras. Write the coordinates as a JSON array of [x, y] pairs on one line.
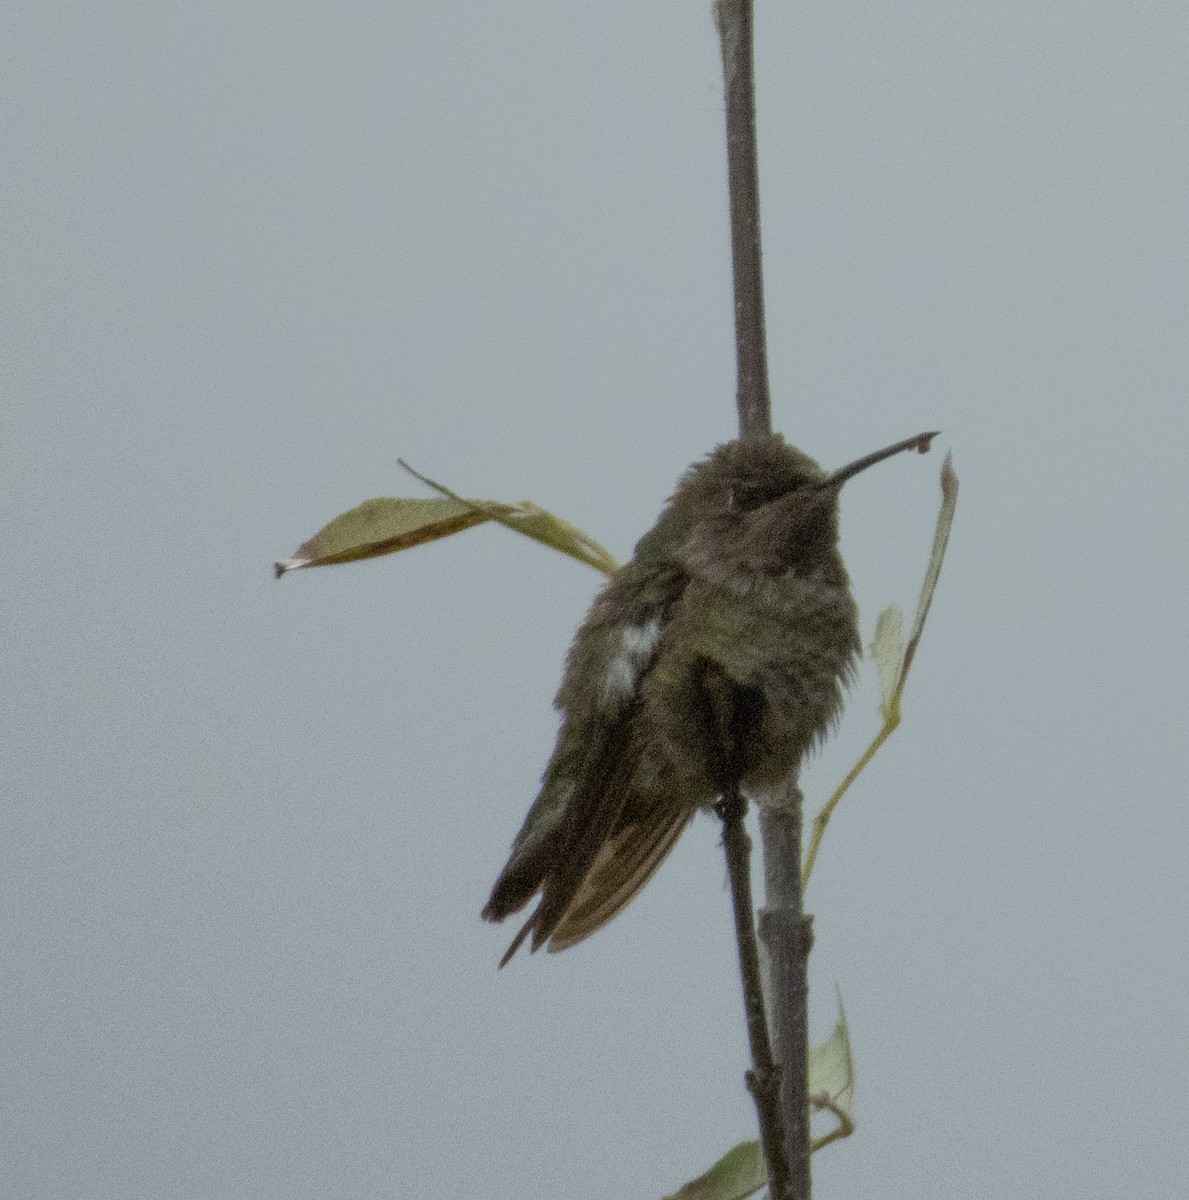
[[920, 443]]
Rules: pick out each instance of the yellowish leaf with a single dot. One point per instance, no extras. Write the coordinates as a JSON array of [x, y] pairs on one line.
[[832, 1080], [739, 1173], [535, 522], [383, 526], [941, 537], [887, 649], [388, 524], [742, 1170], [892, 660]]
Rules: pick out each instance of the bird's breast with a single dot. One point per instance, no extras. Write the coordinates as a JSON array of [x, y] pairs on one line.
[[792, 640]]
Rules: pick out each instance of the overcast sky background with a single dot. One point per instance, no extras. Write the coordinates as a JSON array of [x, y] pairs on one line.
[[252, 253]]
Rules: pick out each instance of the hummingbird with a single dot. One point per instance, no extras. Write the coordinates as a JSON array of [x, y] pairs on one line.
[[716, 658]]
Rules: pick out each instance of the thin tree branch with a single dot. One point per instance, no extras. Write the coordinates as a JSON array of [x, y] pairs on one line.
[[763, 1080], [735, 31], [787, 933], [785, 929]]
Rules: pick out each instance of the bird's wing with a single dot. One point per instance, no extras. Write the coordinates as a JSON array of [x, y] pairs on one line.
[[623, 865], [594, 766], [591, 817], [645, 833]]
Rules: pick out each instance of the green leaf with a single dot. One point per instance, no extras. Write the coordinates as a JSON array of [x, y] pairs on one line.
[[550, 530], [535, 522], [739, 1173], [382, 526], [742, 1171], [887, 649], [832, 1080], [941, 537], [893, 659], [389, 524]]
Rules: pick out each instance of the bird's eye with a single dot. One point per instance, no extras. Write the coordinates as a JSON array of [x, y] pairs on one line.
[[749, 496]]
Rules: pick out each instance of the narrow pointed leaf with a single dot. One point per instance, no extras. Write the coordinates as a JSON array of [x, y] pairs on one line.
[[887, 649], [892, 660], [892, 656], [535, 522], [742, 1171], [383, 526], [941, 537], [549, 529], [832, 1081], [388, 524], [832, 1067], [739, 1173]]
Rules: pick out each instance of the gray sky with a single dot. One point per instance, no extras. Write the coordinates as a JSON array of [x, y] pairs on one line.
[[252, 254]]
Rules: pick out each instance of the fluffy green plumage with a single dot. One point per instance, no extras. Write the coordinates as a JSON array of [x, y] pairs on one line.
[[717, 655]]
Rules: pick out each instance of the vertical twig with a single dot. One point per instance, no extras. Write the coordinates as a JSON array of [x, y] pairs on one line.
[[735, 31], [787, 934], [783, 925], [763, 1080]]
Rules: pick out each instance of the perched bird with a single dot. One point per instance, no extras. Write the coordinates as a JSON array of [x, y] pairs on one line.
[[715, 657]]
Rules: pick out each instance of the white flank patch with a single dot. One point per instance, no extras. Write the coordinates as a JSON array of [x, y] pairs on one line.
[[636, 645]]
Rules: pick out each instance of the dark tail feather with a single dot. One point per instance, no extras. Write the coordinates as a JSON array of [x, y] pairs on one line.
[[525, 929], [519, 881], [559, 863]]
